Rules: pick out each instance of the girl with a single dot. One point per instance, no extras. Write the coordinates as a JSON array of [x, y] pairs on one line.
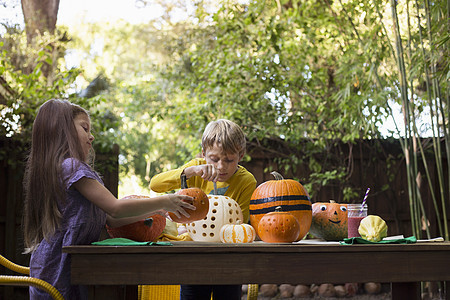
[[65, 200]]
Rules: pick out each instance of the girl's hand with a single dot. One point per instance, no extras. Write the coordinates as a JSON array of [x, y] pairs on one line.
[[207, 172], [178, 203]]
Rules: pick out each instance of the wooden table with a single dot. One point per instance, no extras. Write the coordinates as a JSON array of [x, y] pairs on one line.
[[207, 263]]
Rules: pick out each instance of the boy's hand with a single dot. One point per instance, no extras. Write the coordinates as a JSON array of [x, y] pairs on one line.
[[178, 203], [207, 172]]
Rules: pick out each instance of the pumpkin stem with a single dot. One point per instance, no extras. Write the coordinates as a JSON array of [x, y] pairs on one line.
[[278, 209], [277, 175], [332, 201], [148, 222]]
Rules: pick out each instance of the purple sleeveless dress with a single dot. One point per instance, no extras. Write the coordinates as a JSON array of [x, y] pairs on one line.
[[82, 223]]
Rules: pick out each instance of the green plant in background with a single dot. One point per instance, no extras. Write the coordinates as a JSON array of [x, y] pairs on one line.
[[21, 72], [422, 63]]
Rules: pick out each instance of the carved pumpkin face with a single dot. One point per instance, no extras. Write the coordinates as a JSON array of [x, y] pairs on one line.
[[329, 221]]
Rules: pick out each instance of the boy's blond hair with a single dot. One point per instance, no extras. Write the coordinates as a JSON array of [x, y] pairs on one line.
[[227, 134]]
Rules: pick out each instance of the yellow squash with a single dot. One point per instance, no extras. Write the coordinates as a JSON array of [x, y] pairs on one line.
[[373, 228]]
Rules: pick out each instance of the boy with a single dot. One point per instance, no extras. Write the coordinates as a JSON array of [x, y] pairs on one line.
[[223, 147]]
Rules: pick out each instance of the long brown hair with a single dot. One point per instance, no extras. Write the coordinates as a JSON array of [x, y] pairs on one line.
[[54, 138]]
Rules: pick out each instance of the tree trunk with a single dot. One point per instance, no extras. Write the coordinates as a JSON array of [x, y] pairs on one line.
[[39, 16]]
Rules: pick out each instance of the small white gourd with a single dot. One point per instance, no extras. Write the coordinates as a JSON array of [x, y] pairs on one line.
[[237, 233]]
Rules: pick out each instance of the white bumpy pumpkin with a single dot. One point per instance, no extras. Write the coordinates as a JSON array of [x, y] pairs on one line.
[[222, 210], [237, 233]]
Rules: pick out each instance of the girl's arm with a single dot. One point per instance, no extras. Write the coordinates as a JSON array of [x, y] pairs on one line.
[[113, 222], [131, 207]]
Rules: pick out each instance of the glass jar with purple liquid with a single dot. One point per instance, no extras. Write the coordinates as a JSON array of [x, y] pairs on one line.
[[355, 214]]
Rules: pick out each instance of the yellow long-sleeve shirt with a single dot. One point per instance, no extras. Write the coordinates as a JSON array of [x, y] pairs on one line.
[[239, 187]]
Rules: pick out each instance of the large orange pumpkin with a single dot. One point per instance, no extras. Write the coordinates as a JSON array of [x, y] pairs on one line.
[[147, 230], [200, 201], [278, 227], [287, 193], [329, 221]]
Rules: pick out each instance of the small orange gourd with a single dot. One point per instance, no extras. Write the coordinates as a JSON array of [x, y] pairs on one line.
[[278, 227], [200, 201], [237, 233]]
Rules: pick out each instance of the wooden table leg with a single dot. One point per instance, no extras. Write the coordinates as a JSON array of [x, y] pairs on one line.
[[405, 290], [446, 290], [111, 292], [131, 292]]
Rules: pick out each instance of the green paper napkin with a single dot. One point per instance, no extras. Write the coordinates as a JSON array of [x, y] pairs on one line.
[[128, 242], [359, 240]]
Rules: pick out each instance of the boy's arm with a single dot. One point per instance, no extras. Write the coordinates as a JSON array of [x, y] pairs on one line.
[[166, 181], [170, 180]]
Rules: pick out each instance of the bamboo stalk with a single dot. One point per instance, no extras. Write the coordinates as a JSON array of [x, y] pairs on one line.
[[405, 112], [409, 141], [433, 196], [414, 135], [408, 149], [437, 99]]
